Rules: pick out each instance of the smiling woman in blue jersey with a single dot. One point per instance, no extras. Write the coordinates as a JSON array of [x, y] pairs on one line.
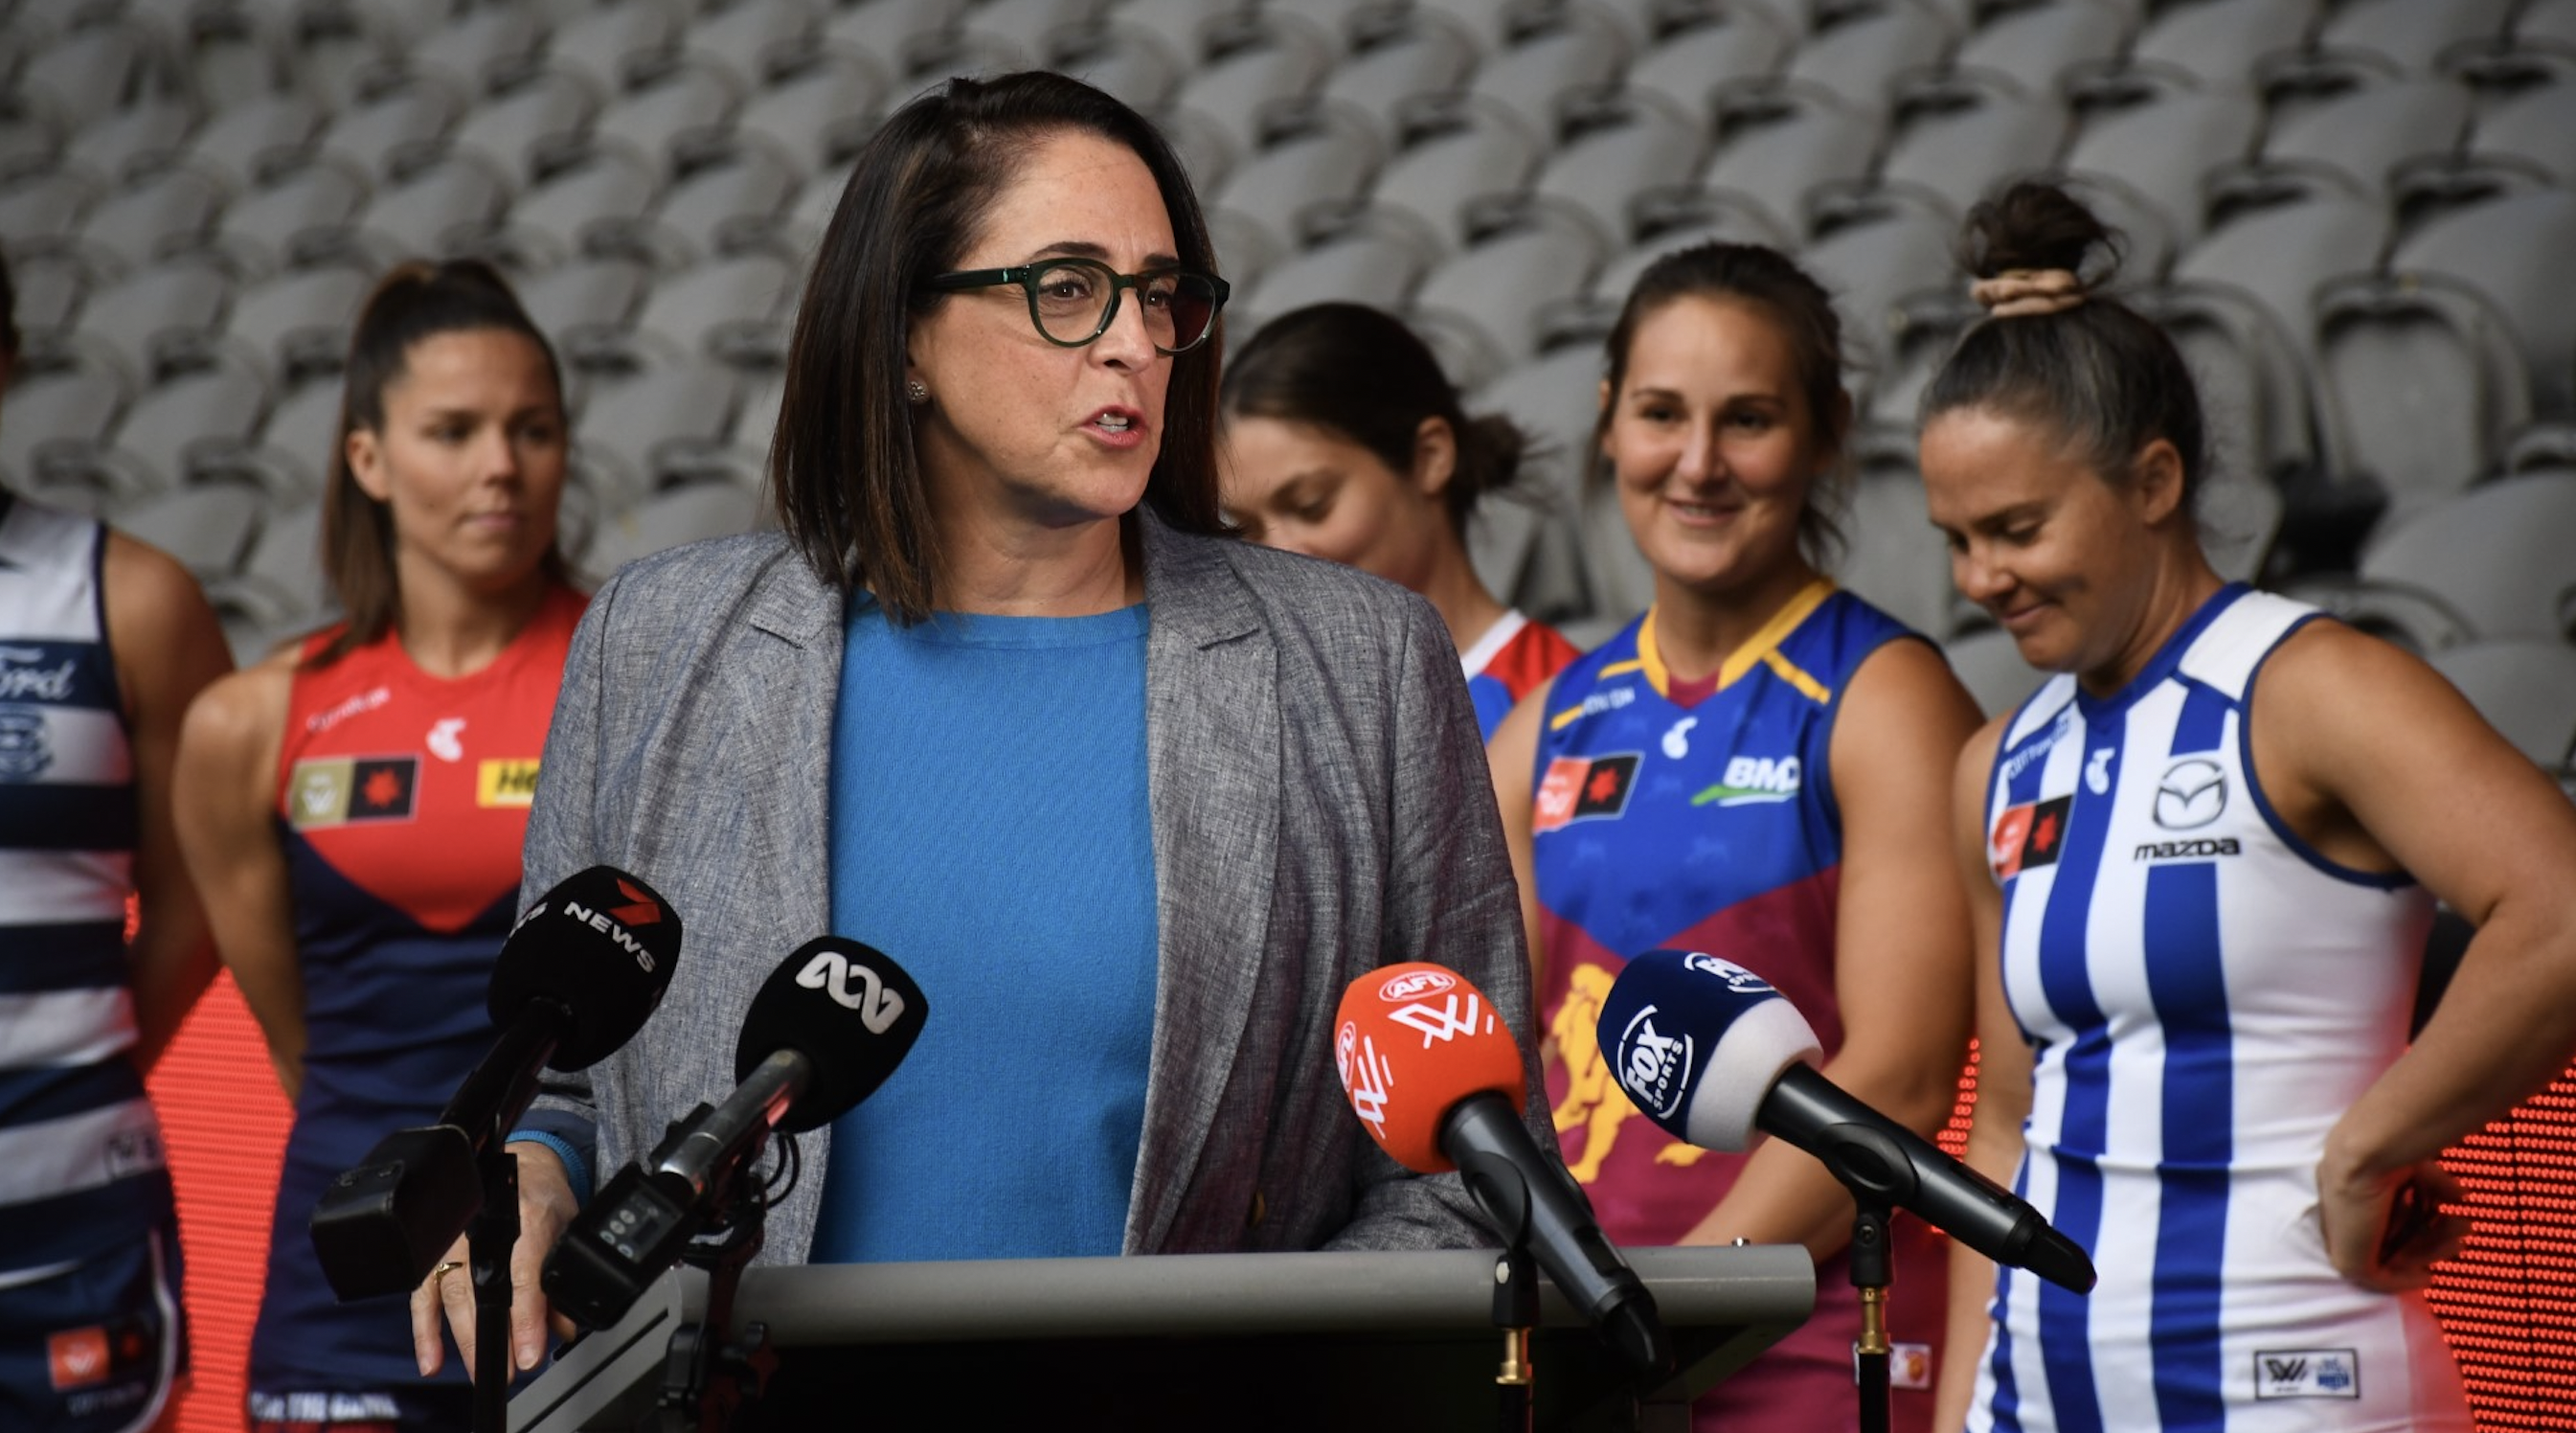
[[2202, 860], [1131, 800], [1753, 768]]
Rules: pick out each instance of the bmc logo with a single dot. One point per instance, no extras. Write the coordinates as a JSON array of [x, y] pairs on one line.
[[878, 1007], [1414, 984]]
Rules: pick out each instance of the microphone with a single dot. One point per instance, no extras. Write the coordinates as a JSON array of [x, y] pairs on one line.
[[823, 1033], [576, 978], [1437, 1078], [1711, 1052]]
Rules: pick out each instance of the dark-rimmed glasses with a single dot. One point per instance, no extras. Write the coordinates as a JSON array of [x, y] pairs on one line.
[[1073, 301]]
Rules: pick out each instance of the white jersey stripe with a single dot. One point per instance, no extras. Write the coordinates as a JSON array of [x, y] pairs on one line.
[[83, 1151]]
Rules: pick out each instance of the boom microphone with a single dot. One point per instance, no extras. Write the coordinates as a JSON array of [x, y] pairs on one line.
[[1437, 1078], [825, 1030], [1711, 1052], [577, 977]]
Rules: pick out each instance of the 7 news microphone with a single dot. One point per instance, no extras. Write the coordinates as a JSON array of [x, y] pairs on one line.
[[823, 1033], [577, 977], [1711, 1052], [1437, 1078]]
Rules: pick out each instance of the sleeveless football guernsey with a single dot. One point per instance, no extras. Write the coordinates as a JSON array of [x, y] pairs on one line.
[[402, 802], [1668, 818], [2205, 995]]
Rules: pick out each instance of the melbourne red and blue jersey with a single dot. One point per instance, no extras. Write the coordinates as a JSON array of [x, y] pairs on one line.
[[1508, 663], [402, 803]]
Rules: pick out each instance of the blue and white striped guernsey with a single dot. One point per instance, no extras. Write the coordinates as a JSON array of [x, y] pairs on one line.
[[80, 1154], [2205, 994]]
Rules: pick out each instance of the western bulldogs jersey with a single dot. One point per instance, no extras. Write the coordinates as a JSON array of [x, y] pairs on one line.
[[2205, 994], [402, 803], [1705, 820], [1508, 663], [81, 1166]]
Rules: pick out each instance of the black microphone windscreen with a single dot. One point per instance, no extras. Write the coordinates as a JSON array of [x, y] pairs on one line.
[[601, 945], [851, 1012]]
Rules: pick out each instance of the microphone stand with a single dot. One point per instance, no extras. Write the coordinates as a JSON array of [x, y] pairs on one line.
[[1874, 1168], [704, 1376], [489, 1237], [1515, 1311]]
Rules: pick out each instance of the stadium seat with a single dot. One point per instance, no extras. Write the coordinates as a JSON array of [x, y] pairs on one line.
[[2418, 377], [1527, 549], [1623, 147], [70, 407], [2535, 128], [1464, 153], [584, 305], [1480, 309], [754, 39], [2151, 146], [1426, 57], [244, 143], [687, 104], [87, 74], [1891, 555], [1727, 48], [1615, 575], [818, 116], [1374, 261], [1720, 220], [735, 307], [122, 146], [1488, 22], [714, 204], [298, 323], [39, 211], [2240, 517], [1779, 143], [279, 588], [50, 288], [611, 45], [1991, 668], [473, 53], [606, 191], [889, 30], [1258, 214], [2220, 41], [208, 528], [1958, 135], [2513, 250], [296, 447], [290, 216], [397, 129], [628, 424], [2275, 247], [153, 449], [2497, 555], [2041, 44], [2410, 34], [1860, 57], [1575, 53], [1140, 69], [545, 112], [2370, 132], [2526, 690], [1873, 263], [683, 514], [1219, 109], [162, 213], [440, 211], [177, 305]]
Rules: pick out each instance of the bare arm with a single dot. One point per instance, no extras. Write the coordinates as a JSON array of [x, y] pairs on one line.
[[1901, 947], [168, 646], [2003, 1081], [2372, 757], [1513, 749], [226, 780]]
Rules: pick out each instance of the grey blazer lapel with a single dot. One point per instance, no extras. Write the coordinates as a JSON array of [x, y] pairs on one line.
[[1212, 759]]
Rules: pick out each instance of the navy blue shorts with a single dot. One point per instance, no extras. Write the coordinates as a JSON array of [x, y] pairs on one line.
[[96, 1348]]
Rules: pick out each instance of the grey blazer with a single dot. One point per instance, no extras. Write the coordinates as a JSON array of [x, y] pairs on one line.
[[1320, 806]]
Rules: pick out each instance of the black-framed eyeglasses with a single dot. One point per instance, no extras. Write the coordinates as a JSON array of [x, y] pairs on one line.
[[1073, 301]]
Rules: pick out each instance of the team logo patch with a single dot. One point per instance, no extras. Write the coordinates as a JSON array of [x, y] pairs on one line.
[[2028, 837], [2191, 794], [2307, 1373], [442, 740], [78, 1358], [1753, 781], [1579, 788], [341, 791], [508, 781], [1909, 1365], [24, 751]]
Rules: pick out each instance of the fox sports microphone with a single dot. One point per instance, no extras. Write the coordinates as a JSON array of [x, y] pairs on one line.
[[577, 977], [1437, 1079], [1711, 1052], [825, 1030]]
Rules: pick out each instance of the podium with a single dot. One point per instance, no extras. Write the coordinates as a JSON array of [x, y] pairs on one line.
[[1333, 1340]]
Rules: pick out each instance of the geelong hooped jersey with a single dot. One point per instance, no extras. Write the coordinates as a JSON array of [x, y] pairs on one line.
[[1508, 663], [2205, 994], [80, 1153], [402, 802]]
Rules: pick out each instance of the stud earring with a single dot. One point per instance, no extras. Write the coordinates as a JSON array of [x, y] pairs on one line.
[[917, 391]]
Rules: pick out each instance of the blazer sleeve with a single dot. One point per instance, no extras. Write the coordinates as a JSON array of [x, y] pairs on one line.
[[562, 839], [1450, 898]]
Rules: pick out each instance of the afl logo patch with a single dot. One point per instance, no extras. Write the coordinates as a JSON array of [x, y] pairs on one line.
[[2191, 794]]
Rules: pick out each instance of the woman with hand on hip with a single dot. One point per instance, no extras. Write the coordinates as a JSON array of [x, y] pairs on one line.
[[353, 806], [1132, 801], [2202, 860], [1344, 440], [1753, 768]]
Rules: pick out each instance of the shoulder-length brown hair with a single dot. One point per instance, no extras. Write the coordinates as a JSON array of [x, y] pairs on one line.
[[411, 302], [850, 490]]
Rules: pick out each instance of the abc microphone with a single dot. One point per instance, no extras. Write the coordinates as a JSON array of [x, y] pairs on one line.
[[577, 977], [1437, 1078], [825, 1030], [1711, 1052]]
